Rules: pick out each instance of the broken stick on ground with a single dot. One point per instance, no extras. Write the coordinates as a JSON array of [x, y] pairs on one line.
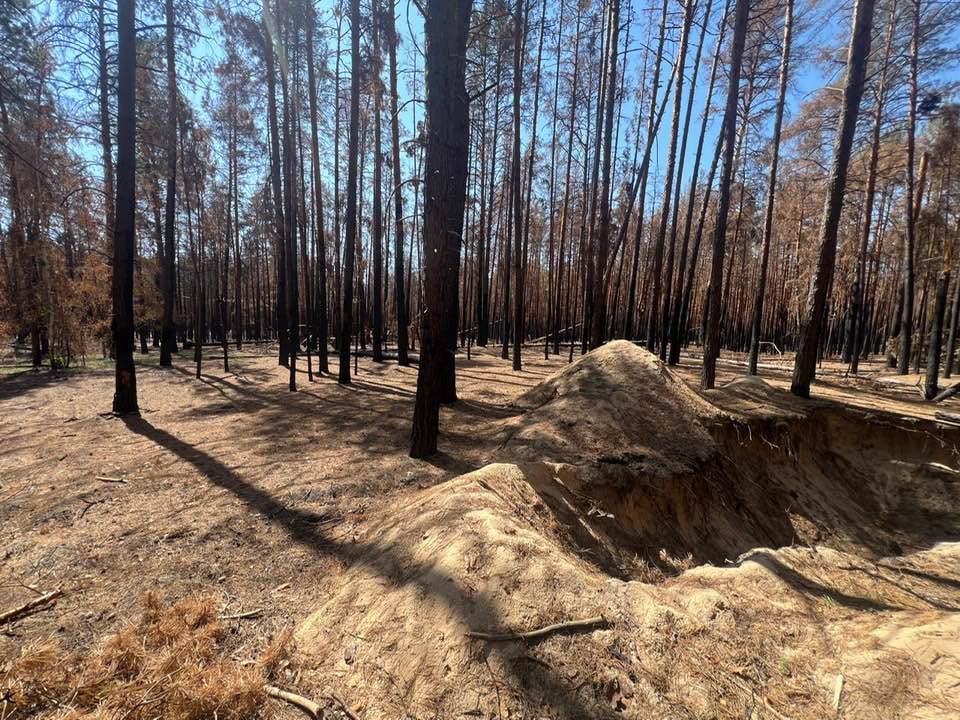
[[586, 624], [27, 607]]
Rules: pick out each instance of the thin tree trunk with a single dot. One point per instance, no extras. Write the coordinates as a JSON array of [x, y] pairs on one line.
[[711, 348], [269, 29], [936, 335], [599, 318], [909, 238], [689, 8], [519, 32], [377, 219], [350, 243], [321, 242], [771, 193], [399, 290]]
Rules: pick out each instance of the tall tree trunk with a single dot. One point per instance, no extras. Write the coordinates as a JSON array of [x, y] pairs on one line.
[[771, 193], [446, 25], [628, 332], [290, 226], [350, 243], [399, 290], [519, 330], [565, 211], [815, 314], [686, 268], [711, 346], [689, 8], [859, 321], [319, 224], [125, 389], [516, 174], [269, 31], [599, 319], [936, 335], [106, 143], [168, 340], [377, 219], [909, 238]]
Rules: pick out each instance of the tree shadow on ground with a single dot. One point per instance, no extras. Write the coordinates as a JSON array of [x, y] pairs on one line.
[[23, 384], [383, 559]]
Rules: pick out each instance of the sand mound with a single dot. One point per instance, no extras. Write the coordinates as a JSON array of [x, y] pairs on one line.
[[667, 479], [618, 405], [620, 481]]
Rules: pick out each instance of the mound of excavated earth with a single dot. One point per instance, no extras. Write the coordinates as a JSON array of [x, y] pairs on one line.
[[741, 554]]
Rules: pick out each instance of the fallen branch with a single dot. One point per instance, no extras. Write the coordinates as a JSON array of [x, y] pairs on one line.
[[27, 607], [242, 616], [947, 393], [104, 478], [308, 706], [343, 706], [593, 622]]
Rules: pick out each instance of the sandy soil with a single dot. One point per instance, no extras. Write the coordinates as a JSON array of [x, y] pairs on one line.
[[277, 502]]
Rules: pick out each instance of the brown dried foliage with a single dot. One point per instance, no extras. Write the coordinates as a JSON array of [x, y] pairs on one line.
[[170, 666]]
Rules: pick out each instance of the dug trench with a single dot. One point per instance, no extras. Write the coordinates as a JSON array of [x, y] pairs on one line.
[[750, 555], [831, 477], [683, 483]]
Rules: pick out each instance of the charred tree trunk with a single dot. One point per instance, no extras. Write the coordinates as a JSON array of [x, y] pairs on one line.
[[350, 243], [815, 315], [125, 390], [446, 25], [519, 30], [771, 193], [168, 340], [399, 291], [377, 219], [628, 331], [269, 29], [909, 238], [936, 336], [711, 345], [320, 323], [599, 319], [684, 276]]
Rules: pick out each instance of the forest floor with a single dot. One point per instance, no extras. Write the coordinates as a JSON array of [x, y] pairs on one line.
[[751, 555]]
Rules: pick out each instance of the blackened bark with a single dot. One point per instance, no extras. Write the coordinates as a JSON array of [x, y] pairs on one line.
[[628, 331], [519, 31], [909, 238], [661, 324], [350, 244], [377, 219], [814, 318], [678, 318], [168, 340], [269, 28], [771, 193], [935, 344], [446, 24], [599, 319], [858, 312], [399, 291], [952, 338], [711, 345], [125, 391]]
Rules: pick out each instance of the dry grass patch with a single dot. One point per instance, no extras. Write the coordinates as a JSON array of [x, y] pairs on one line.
[[171, 665]]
